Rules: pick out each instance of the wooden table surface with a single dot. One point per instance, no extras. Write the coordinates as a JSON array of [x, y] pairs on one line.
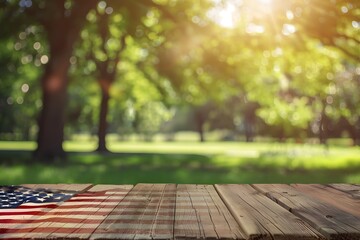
[[171, 211]]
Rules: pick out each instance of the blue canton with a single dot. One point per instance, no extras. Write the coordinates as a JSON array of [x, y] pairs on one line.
[[14, 196]]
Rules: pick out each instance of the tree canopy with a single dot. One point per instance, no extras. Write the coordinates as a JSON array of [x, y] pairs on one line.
[[290, 65]]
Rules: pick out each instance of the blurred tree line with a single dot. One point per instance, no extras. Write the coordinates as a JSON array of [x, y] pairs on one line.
[[275, 68]]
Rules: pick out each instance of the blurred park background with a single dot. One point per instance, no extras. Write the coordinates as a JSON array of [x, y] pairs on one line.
[[203, 91]]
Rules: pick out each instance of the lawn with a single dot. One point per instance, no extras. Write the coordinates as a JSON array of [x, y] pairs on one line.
[[184, 162]]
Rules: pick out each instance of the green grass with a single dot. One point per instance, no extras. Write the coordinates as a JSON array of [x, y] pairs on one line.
[[183, 162]]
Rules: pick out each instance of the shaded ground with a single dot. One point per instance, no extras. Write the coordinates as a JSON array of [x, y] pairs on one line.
[[212, 166]]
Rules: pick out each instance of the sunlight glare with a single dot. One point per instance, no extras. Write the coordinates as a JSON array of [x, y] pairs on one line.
[[255, 29], [288, 29], [224, 15], [289, 15], [267, 2]]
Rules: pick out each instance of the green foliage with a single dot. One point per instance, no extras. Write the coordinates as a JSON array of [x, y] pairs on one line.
[[150, 117], [20, 61], [177, 162], [296, 63]]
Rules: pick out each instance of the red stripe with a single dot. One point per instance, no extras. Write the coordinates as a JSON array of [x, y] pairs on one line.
[[34, 206], [81, 213], [87, 206], [97, 195], [45, 230], [133, 231], [54, 219], [93, 200]]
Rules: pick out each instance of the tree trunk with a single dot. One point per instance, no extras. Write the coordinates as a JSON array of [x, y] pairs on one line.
[[323, 128], [201, 133], [249, 133], [250, 120], [104, 106], [353, 130], [357, 133], [52, 116], [62, 30], [200, 128]]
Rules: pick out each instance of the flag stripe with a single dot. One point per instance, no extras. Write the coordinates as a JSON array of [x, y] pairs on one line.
[[77, 217]]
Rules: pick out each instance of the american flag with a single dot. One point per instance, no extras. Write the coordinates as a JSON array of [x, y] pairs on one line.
[[27, 213], [14, 196]]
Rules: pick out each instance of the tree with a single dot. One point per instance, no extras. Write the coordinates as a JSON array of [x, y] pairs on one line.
[[105, 49], [61, 22]]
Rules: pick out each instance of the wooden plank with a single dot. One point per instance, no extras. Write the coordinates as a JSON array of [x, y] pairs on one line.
[[147, 212], [81, 215], [327, 219], [351, 189], [200, 213], [260, 217], [332, 196], [113, 195]]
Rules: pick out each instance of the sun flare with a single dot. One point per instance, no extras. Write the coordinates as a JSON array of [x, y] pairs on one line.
[[226, 14]]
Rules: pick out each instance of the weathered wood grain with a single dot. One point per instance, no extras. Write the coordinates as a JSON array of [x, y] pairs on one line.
[[200, 213], [113, 195], [81, 215], [147, 212], [332, 196], [260, 217], [332, 222], [167, 211], [351, 189]]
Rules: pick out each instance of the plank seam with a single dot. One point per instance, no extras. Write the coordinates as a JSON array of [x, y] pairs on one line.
[[211, 218], [234, 215], [173, 227]]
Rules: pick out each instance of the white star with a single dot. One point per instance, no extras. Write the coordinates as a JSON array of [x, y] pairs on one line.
[[40, 199]]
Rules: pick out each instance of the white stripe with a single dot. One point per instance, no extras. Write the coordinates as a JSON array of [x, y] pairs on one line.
[[92, 217], [19, 217], [23, 210]]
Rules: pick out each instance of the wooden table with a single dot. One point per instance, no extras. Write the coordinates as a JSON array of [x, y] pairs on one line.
[[170, 211]]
